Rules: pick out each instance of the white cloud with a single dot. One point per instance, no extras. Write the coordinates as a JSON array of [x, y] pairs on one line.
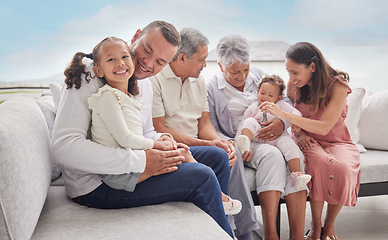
[[341, 14], [51, 55], [351, 34], [345, 22]]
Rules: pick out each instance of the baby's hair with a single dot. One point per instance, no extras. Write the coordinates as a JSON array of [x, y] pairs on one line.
[[275, 79], [74, 72]]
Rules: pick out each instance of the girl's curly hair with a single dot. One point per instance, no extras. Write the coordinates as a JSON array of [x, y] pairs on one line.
[[74, 71]]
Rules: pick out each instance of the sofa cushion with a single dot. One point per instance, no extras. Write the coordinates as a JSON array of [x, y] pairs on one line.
[[25, 171], [46, 104], [63, 219], [374, 166], [354, 101], [373, 122], [56, 91]]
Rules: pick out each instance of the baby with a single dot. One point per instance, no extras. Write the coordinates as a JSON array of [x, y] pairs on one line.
[[271, 89]]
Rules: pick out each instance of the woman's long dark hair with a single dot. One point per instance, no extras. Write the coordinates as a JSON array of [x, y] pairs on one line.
[[76, 68], [316, 95]]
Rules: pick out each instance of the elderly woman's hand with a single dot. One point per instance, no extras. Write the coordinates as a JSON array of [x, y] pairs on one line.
[[272, 130]]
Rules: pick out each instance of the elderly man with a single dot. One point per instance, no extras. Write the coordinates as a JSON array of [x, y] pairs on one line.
[[82, 160], [180, 108]]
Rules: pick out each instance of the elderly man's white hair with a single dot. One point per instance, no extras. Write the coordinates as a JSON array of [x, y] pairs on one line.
[[233, 49]]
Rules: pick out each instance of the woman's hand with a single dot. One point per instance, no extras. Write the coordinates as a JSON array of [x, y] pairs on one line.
[[304, 142], [272, 108], [295, 129], [167, 137], [164, 145]]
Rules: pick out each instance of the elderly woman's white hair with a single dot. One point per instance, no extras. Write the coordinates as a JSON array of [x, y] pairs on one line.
[[233, 49]]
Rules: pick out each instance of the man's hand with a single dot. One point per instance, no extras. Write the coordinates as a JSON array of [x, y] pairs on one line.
[[224, 144], [184, 146], [228, 147], [187, 154], [272, 130], [160, 162], [247, 156], [232, 153]]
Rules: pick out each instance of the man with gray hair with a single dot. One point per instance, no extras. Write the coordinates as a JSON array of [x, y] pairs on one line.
[[180, 107]]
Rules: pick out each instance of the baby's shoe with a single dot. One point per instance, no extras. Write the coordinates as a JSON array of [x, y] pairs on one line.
[[232, 206], [299, 179], [243, 143]]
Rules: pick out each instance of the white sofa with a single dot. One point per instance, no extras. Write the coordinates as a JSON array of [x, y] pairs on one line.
[[33, 203], [367, 123]]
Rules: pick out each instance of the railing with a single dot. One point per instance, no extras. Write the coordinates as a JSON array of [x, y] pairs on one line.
[[7, 92]]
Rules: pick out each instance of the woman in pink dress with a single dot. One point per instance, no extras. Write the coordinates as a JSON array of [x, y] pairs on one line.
[[319, 93]]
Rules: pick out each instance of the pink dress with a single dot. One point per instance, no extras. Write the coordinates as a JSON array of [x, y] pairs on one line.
[[333, 163]]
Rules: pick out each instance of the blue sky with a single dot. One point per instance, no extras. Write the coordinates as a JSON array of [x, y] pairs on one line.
[[40, 37]]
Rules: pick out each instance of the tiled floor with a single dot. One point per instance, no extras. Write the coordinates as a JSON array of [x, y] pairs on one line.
[[368, 220]]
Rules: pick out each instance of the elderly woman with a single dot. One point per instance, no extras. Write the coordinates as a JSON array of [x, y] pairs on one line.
[[230, 92]]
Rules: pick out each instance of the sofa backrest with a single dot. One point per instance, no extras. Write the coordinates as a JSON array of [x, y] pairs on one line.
[[25, 167], [366, 119]]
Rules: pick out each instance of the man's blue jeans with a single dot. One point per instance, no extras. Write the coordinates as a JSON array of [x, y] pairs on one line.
[[192, 182], [215, 158]]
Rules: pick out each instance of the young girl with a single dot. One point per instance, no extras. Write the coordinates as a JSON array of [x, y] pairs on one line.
[[271, 89], [319, 93], [116, 108]]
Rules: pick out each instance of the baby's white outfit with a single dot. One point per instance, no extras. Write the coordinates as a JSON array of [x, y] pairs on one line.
[[252, 119]]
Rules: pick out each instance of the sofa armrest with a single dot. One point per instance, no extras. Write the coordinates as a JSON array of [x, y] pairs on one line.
[[25, 171]]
